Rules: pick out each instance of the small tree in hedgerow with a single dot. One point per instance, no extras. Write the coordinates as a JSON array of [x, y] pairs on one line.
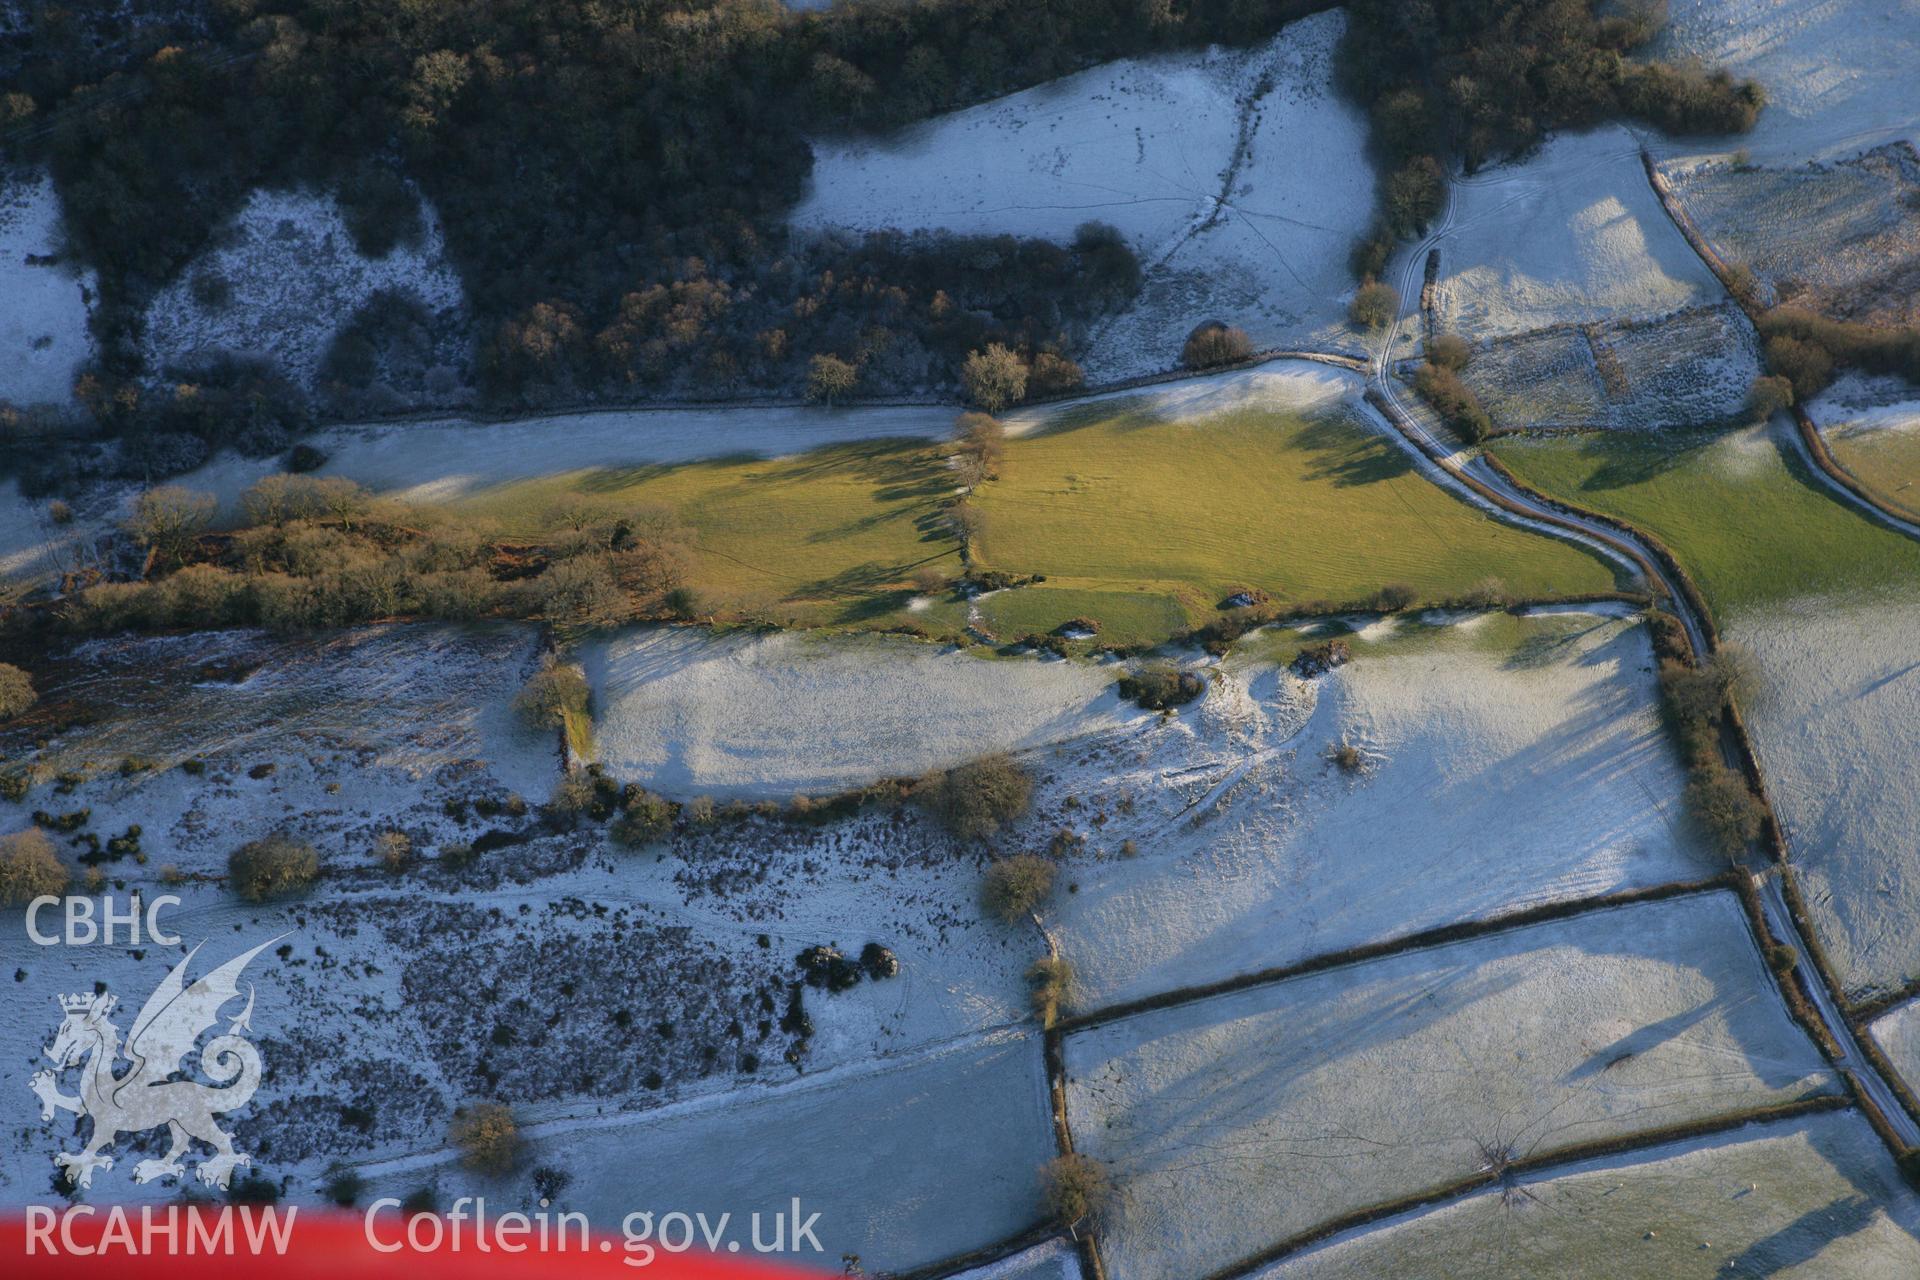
[[994, 378], [1076, 1189], [1374, 305], [1014, 887]]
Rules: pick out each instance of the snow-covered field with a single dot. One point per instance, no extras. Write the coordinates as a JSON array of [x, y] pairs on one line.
[[1197, 158], [1837, 728], [762, 716], [43, 305], [1842, 239], [1054, 1260], [1806, 1199], [1571, 234], [1235, 1122], [1836, 72], [1509, 762], [1898, 1032], [1688, 369], [292, 276], [906, 1161]]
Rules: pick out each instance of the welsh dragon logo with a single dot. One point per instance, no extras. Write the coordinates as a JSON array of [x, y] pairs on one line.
[[148, 1095]]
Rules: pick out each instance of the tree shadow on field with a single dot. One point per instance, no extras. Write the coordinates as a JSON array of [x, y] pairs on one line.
[[1341, 452], [1878, 1192], [1805, 1238], [609, 480], [1624, 463]]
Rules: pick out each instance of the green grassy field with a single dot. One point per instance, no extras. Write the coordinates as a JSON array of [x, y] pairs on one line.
[[830, 536], [1886, 463], [1742, 516], [1120, 508]]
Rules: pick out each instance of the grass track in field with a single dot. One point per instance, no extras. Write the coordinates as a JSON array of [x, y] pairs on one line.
[[833, 535], [1117, 498], [1743, 516]]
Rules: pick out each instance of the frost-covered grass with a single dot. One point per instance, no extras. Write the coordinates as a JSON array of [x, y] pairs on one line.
[[906, 1161], [1834, 71], [1276, 488], [1235, 1122], [1054, 1260], [1806, 1200], [1691, 368], [763, 716], [1814, 590], [43, 305], [1573, 233], [1507, 762], [1197, 158], [1842, 239], [1837, 726], [283, 277], [1898, 1033]]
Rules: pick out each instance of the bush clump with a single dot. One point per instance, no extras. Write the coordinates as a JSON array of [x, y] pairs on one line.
[[828, 969], [269, 867], [976, 799], [16, 691], [393, 849], [29, 868], [1374, 305], [644, 818], [1159, 685], [1769, 394], [1454, 401], [1318, 659], [488, 1139], [1449, 351], [1075, 1188], [1015, 887], [1806, 349], [1215, 344]]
